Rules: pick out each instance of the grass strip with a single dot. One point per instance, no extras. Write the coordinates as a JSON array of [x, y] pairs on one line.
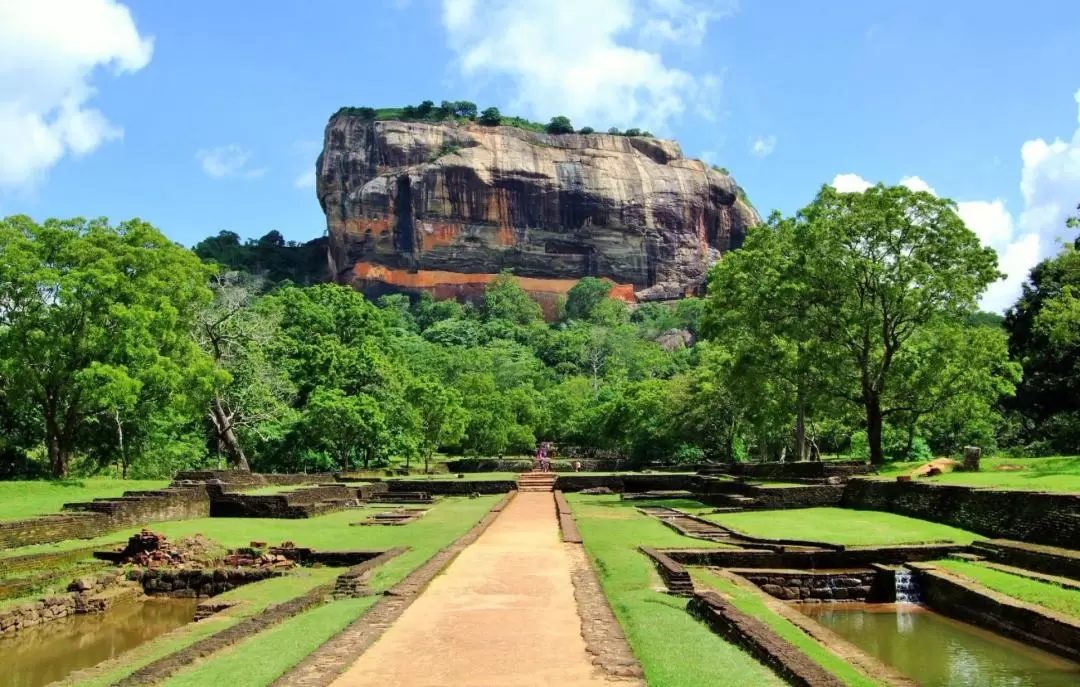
[[841, 526], [262, 659], [752, 604], [1044, 594], [673, 647]]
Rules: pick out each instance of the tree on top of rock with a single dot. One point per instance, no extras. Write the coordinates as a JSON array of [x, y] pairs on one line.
[[559, 125], [490, 117]]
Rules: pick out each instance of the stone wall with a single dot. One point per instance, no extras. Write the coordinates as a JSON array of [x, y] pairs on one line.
[[95, 518], [760, 641], [795, 470], [1029, 516], [629, 483], [810, 496], [1048, 560], [452, 487], [813, 585], [90, 594], [196, 583], [52, 528], [957, 597], [859, 557]]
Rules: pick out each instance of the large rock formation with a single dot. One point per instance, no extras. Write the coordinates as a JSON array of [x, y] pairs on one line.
[[444, 207]]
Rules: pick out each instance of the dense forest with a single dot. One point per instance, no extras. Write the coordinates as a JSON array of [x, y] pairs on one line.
[[850, 328]]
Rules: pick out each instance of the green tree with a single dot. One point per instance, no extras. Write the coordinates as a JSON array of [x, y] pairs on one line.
[[585, 297], [559, 125], [880, 268], [95, 319], [504, 299], [350, 426], [442, 417], [490, 117], [251, 388], [586, 130]]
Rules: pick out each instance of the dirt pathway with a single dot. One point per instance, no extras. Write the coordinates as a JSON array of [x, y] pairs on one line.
[[502, 614]]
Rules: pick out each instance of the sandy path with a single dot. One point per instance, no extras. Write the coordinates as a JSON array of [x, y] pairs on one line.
[[503, 614]]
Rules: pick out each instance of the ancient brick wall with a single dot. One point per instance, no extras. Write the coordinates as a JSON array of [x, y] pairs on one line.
[[810, 496], [797, 470], [95, 518], [629, 483], [1029, 516], [452, 487], [861, 557]]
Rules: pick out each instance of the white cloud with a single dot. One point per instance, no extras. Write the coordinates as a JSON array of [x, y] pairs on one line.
[[586, 60], [917, 184], [228, 161], [305, 180], [49, 52], [850, 183], [764, 146], [1050, 189]]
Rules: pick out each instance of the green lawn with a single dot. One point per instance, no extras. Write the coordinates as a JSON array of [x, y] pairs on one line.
[[1022, 588], [673, 647], [752, 604], [262, 658], [1056, 473], [841, 526], [26, 499]]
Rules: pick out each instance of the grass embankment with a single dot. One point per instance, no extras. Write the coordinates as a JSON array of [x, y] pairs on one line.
[[841, 526], [752, 604], [1056, 473], [27, 499], [1024, 589], [673, 647], [453, 476], [261, 659]]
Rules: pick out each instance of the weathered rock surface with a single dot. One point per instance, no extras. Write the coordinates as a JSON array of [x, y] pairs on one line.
[[443, 207]]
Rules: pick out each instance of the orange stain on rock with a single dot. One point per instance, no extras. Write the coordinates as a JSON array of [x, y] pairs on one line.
[[443, 284], [435, 234]]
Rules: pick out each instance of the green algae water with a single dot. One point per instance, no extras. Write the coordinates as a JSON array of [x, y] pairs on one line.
[[39, 655], [937, 651]]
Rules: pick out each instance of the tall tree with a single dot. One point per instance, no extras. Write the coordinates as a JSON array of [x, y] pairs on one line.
[[880, 268], [95, 318], [441, 416], [251, 387], [351, 426]]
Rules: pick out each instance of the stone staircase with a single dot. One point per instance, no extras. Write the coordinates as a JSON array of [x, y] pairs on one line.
[[536, 481]]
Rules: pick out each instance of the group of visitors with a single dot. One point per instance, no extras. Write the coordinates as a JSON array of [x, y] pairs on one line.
[[543, 458]]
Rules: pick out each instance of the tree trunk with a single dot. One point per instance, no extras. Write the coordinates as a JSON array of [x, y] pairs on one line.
[[59, 454], [367, 456], [427, 461], [227, 436], [874, 428], [800, 424], [910, 440]]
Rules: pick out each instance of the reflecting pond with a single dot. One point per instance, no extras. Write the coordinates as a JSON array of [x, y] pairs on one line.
[[39, 655], [938, 651]]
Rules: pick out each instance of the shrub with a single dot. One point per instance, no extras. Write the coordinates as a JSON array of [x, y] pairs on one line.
[[586, 130], [632, 132], [560, 125], [614, 131], [687, 453]]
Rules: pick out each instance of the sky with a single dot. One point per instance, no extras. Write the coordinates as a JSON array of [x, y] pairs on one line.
[[201, 116]]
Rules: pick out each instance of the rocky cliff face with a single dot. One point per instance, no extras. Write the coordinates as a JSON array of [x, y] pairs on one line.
[[444, 207]]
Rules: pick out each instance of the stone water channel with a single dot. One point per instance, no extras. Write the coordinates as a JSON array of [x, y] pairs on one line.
[[37, 656], [933, 649]]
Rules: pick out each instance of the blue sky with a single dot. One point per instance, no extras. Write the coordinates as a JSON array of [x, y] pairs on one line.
[[200, 116]]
